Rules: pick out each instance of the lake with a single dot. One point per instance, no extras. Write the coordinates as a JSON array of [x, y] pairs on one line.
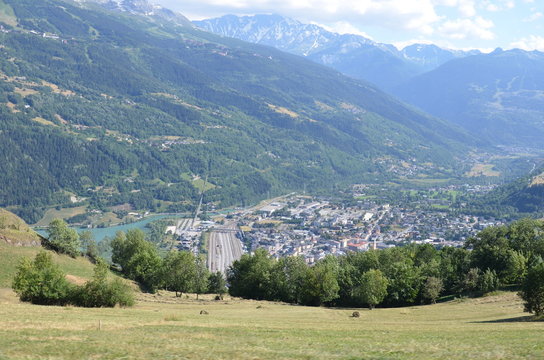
[[101, 233]]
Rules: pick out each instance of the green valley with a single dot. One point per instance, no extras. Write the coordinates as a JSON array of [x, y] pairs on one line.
[[107, 109]]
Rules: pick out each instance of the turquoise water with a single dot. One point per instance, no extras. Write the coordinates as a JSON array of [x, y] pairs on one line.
[[101, 233]]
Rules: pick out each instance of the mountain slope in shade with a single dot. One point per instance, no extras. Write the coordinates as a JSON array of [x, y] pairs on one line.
[[497, 96], [353, 55]]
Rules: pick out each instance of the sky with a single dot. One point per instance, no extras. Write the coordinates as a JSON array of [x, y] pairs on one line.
[[455, 24]]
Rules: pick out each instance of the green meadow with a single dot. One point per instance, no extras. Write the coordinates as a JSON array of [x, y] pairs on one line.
[[164, 327]]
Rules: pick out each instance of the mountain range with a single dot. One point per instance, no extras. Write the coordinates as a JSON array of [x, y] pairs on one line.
[[115, 106], [353, 55], [497, 97]]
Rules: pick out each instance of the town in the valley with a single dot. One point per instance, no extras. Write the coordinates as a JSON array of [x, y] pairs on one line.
[[313, 227]]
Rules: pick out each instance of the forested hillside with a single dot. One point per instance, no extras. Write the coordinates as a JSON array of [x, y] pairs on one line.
[[522, 197], [113, 108]]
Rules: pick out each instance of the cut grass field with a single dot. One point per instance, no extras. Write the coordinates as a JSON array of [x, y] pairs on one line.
[[163, 327]]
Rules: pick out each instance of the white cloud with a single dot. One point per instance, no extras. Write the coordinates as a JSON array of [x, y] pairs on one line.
[[498, 5], [529, 43], [416, 15], [466, 8], [533, 17], [492, 7], [461, 29], [344, 27]]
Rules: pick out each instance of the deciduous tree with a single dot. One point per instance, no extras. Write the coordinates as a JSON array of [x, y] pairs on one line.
[[373, 288], [63, 239], [532, 291]]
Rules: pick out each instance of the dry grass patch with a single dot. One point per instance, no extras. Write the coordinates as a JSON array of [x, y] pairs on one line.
[[537, 180], [58, 90], [483, 170], [25, 91], [12, 107], [44, 121], [282, 110]]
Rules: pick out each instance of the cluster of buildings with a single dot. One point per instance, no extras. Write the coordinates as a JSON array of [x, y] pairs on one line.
[[313, 228]]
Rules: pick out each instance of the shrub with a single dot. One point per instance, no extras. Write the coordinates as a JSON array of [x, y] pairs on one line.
[[99, 292], [42, 282], [532, 290], [488, 281], [432, 288]]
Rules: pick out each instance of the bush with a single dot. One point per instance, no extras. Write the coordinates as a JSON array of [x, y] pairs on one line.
[[532, 290], [488, 281], [42, 282], [99, 292], [432, 288]]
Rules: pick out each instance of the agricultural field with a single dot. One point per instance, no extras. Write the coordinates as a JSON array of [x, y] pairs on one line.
[[164, 327]]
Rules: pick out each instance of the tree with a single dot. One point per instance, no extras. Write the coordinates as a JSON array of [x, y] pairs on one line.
[[527, 237], [63, 239], [432, 288], [42, 282], [321, 283], [373, 288], [532, 290], [201, 276], [515, 267], [287, 279], [179, 272], [217, 284], [454, 264], [138, 258], [404, 283], [249, 277], [89, 245], [471, 280], [490, 249]]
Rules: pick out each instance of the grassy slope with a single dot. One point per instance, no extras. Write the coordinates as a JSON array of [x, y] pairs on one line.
[[15, 230], [10, 256], [486, 328]]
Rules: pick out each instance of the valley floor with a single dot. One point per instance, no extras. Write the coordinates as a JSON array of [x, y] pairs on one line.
[[164, 327]]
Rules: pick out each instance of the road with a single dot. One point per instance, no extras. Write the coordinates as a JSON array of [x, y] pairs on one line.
[[223, 248]]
